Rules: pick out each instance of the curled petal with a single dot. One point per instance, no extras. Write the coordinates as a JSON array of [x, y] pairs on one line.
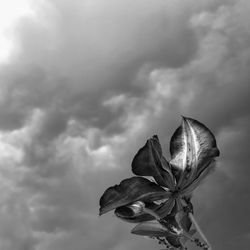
[[191, 147], [149, 161], [121, 213], [131, 190], [135, 212], [135, 219]]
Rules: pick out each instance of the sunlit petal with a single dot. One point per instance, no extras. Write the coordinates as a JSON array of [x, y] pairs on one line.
[[191, 147]]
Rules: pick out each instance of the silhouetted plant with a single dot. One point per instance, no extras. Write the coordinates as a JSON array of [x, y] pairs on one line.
[[162, 208]]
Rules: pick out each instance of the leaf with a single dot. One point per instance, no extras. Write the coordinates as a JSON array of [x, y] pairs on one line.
[[191, 147], [150, 228], [131, 190], [149, 161]]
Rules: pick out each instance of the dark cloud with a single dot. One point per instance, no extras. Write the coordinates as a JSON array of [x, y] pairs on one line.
[[75, 59]]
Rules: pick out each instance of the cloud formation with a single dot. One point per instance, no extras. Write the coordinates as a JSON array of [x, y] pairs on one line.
[[87, 83]]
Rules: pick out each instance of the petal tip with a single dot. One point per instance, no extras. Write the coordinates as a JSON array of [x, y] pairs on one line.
[[185, 118], [101, 212], [217, 153], [155, 137]]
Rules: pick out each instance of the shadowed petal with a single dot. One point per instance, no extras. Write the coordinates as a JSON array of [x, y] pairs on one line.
[[191, 147], [178, 225], [131, 190], [188, 189], [184, 239], [174, 241], [174, 227], [170, 223], [120, 213], [184, 221], [164, 209], [131, 213], [149, 161], [155, 229], [150, 228]]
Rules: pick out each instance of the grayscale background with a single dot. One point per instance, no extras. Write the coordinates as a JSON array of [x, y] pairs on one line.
[[84, 83]]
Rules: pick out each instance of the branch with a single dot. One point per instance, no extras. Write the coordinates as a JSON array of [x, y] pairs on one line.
[[199, 230]]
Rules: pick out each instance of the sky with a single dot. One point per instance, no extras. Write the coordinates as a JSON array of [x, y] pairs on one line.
[[84, 84]]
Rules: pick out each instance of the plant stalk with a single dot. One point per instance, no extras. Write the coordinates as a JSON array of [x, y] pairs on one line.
[[190, 215]]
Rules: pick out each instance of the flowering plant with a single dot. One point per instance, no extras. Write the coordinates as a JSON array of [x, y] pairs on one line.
[[162, 208]]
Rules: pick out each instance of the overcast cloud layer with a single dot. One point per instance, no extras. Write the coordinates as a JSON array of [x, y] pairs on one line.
[[86, 83]]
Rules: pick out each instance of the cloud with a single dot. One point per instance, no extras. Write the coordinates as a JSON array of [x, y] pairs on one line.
[[99, 58], [87, 83]]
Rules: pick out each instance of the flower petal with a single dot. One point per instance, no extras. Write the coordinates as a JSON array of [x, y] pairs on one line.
[[183, 220], [171, 225], [149, 161], [174, 241], [188, 189], [178, 225], [121, 214], [164, 209], [150, 228], [131, 190], [134, 213], [191, 233], [191, 147], [156, 229]]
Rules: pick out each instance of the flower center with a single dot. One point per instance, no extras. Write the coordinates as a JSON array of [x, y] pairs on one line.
[[176, 194]]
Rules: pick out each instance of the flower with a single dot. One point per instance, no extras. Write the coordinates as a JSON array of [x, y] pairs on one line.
[[137, 199], [173, 230]]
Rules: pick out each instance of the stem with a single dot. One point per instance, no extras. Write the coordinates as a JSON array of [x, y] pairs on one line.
[[186, 235], [199, 230]]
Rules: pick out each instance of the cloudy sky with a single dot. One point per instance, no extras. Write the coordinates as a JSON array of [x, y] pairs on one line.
[[84, 83]]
